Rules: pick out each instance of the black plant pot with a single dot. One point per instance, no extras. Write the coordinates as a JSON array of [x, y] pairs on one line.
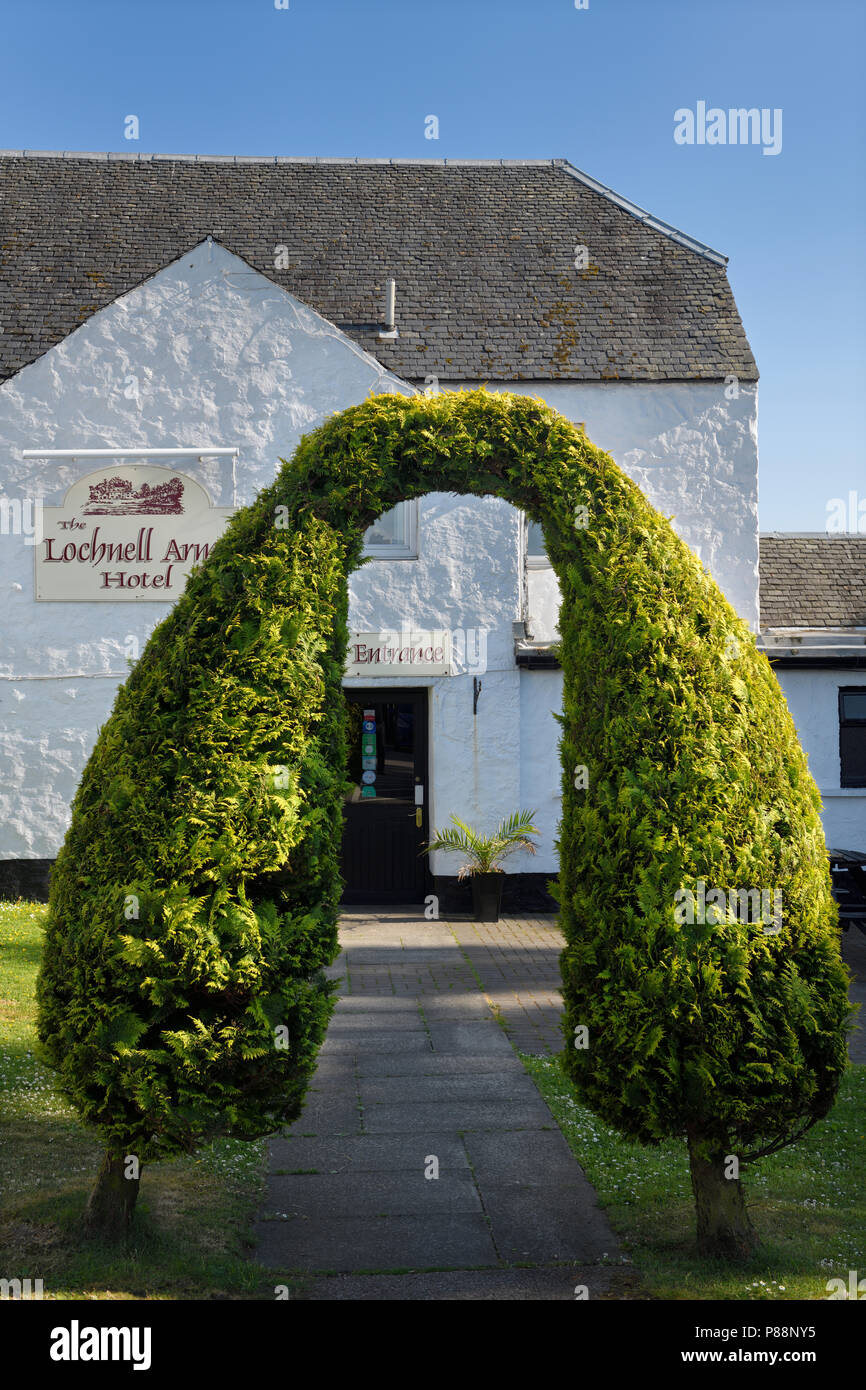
[[487, 896]]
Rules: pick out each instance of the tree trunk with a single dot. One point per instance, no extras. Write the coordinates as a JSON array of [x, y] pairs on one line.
[[724, 1228], [112, 1202]]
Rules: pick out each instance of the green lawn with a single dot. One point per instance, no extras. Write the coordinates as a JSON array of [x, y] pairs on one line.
[[194, 1214], [808, 1203]]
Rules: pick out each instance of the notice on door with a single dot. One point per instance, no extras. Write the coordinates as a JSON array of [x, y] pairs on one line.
[[127, 534], [406, 653]]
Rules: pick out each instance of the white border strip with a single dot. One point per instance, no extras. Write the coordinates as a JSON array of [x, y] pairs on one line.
[[204, 452]]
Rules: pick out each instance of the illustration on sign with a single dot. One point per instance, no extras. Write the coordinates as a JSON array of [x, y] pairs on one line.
[[117, 497], [132, 536]]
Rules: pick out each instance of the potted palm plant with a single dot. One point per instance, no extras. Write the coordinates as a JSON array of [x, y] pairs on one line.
[[483, 855]]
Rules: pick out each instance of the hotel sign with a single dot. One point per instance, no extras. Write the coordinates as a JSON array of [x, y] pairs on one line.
[[393, 653], [126, 534]]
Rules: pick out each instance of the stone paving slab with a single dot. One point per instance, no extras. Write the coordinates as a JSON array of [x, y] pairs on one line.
[[410, 959], [395, 1040], [459, 1115], [369, 1006], [331, 1113], [427, 1064], [552, 1283], [441, 1241], [320, 1196], [416, 1090], [531, 1157], [470, 1037], [335, 1067], [456, 1008], [369, 1153], [349, 1026], [528, 1227]]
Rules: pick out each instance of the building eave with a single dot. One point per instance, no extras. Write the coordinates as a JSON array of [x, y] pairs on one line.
[[814, 648]]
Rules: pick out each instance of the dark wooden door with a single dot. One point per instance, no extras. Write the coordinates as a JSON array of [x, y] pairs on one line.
[[386, 810]]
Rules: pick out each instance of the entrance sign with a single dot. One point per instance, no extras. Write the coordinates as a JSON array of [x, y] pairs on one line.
[[393, 653], [126, 534]]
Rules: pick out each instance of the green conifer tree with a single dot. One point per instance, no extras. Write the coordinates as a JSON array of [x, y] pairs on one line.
[[194, 903]]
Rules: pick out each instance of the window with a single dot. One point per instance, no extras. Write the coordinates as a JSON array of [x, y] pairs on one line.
[[394, 535], [852, 736], [536, 555]]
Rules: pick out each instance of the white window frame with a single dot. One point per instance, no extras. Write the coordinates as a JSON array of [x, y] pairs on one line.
[[407, 549]]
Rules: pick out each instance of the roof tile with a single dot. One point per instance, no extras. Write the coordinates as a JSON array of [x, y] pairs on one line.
[[813, 581], [482, 253]]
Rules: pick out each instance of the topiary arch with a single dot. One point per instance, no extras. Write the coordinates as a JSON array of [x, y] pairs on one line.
[[194, 903]]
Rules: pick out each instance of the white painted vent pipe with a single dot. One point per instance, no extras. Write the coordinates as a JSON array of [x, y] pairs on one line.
[[390, 327]]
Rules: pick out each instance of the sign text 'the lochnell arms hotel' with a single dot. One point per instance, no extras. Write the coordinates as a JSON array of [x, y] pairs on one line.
[[153, 378], [125, 536]]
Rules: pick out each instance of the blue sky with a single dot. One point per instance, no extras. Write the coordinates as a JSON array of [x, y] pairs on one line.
[[529, 79]]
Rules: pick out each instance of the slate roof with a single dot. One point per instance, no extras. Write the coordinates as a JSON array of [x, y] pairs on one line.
[[482, 252], [813, 581]]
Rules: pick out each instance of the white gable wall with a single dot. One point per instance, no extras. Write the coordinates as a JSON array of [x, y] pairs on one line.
[[692, 448], [206, 352]]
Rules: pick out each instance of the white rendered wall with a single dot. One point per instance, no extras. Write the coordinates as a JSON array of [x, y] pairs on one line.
[[694, 454], [466, 579], [813, 699], [540, 785]]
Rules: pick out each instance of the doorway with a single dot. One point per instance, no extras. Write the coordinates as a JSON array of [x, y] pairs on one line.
[[386, 809]]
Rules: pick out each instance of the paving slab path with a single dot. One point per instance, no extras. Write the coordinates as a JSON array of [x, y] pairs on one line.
[[419, 1075], [424, 1145]]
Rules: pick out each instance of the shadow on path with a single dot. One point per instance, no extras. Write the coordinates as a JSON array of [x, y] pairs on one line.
[[424, 1145]]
